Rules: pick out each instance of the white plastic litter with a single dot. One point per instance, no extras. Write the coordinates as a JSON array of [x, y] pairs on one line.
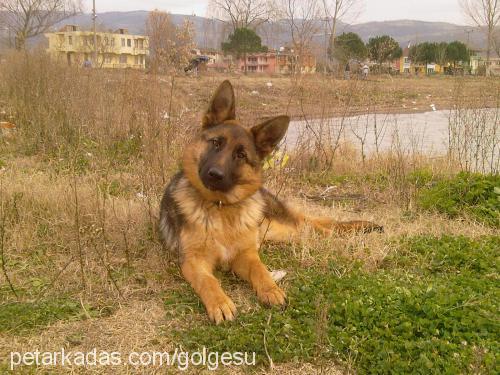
[[278, 275]]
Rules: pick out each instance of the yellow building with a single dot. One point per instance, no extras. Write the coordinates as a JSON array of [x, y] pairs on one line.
[[117, 49], [405, 65]]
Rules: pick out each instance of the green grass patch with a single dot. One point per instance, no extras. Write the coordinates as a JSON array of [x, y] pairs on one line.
[[121, 152], [23, 317], [431, 308], [466, 194]]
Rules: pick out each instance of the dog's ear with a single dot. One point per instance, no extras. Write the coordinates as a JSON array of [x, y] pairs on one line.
[[222, 106], [268, 134]]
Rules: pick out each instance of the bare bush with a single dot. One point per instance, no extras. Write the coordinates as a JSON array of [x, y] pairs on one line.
[[474, 132]]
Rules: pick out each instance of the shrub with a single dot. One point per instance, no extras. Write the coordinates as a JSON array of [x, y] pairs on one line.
[[470, 194]]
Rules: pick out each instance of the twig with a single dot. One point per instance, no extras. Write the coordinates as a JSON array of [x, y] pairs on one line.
[[271, 364], [2, 251]]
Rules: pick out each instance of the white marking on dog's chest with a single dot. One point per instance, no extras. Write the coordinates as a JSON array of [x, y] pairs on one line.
[[225, 253]]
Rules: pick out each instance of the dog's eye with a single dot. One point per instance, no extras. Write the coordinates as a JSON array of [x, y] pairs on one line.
[[216, 143], [241, 155]]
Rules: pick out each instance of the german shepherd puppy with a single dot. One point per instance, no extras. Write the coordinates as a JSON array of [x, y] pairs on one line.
[[214, 212]]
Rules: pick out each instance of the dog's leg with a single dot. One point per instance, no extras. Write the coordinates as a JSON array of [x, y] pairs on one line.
[[199, 274], [249, 267]]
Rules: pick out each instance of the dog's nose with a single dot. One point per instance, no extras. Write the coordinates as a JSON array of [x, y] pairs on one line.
[[216, 173]]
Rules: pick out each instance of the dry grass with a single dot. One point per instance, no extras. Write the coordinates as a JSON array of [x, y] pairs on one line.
[[81, 180]]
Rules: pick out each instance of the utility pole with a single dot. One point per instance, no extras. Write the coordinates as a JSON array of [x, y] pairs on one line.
[[326, 44], [468, 31], [94, 16]]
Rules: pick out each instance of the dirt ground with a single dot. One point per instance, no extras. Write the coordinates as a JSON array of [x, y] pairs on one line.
[[310, 96]]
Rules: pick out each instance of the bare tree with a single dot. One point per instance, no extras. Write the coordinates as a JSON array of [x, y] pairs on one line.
[[161, 32], [170, 46], [484, 13], [496, 42], [336, 10], [242, 13], [29, 18], [302, 17], [183, 44]]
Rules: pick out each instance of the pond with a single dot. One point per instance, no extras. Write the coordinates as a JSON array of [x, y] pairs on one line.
[[427, 133]]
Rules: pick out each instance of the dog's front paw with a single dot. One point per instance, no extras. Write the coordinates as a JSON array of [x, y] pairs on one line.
[[273, 295], [221, 308]]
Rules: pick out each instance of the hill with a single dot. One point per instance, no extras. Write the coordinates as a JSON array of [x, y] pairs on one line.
[[211, 32]]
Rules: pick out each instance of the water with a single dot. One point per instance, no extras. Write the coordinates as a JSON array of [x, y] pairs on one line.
[[423, 132]]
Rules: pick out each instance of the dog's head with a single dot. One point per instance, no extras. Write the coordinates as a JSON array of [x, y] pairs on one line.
[[224, 162]]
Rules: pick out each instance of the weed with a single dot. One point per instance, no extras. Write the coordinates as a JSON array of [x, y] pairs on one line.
[[465, 194], [23, 317]]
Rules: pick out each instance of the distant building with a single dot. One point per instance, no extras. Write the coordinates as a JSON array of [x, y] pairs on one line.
[[117, 49], [405, 65], [284, 61], [288, 61], [217, 62], [262, 62], [478, 63]]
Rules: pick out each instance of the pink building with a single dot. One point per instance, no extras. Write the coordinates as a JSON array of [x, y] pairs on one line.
[[263, 62]]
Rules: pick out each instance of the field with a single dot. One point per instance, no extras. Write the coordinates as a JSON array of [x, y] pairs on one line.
[[82, 267]]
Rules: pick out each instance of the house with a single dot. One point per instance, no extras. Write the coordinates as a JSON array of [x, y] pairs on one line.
[[478, 63], [262, 62], [117, 49], [288, 60], [283, 61], [217, 61], [405, 65]]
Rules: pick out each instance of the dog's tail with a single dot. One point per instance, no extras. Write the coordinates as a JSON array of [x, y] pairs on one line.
[[283, 222], [328, 225]]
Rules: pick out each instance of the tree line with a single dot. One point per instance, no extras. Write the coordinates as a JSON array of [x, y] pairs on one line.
[[382, 49]]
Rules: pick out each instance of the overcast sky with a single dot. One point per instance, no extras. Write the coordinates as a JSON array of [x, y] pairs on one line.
[[373, 10]]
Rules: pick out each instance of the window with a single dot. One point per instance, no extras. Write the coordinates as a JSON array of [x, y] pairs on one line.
[[129, 42], [107, 59], [123, 59], [141, 43], [406, 60], [136, 60], [136, 43], [123, 42], [70, 40], [141, 59], [112, 41]]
